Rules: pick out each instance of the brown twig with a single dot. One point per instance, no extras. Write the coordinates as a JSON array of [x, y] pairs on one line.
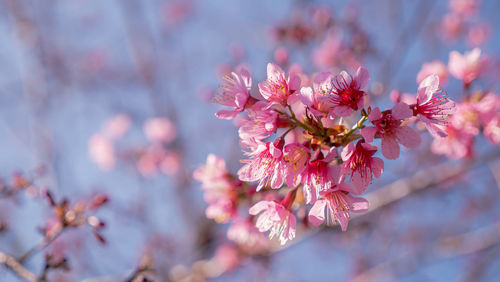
[[16, 267]]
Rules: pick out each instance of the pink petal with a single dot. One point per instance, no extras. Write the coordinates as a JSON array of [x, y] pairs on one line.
[[317, 213], [343, 76], [362, 77], [289, 232], [343, 220], [306, 96], [258, 207], [377, 166], [293, 98], [274, 72], [436, 130], [401, 111], [245, 173], [342, 111], [278, 177], [375, 114], [247, 78], [359, 183], [309, 194], [390, 148], [294, 82], [323, 83], [334, 174], [368, 133], [368, 147], [332, 153], [347, 151], [227, 114], [408, 137], [358, 204], [427, 87], [241, 99], [346, 187]]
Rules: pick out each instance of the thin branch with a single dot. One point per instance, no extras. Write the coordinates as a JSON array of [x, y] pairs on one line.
[[16, 267]]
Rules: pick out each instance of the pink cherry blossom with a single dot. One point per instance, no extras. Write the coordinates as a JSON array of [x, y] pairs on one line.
[[346, 94], [388, 125], [235, 93], [467, 67], [314, 97], [435, 67], [360, 164], [432, 107], [296, 158], [260, 123], [159, 130], [277, 88], [319, 176], [456, 145], [266, 165], [338, 203], [276, 218]]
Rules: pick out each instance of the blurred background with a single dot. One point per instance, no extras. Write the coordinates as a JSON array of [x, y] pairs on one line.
[[113, 99]]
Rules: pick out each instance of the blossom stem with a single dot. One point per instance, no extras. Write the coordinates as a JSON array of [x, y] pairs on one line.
[[294, 119], [356, 126]]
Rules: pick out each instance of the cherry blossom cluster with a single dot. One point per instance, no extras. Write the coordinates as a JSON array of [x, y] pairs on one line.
[[156, 156], [477, 112], [461, 20], [304, 148], [65, 215]]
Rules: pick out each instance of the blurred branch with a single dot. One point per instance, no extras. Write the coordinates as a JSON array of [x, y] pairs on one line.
[[445, 248], [45, 242], [470, 242], [16, 267], [398, 190]]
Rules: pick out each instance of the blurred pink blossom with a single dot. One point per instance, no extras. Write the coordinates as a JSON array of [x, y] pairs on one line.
[[478, 34], [159, 130], [102, 152], [452, 26], [492, 130], [467, 67], [464, 8], [435, 67], [117, 126]]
